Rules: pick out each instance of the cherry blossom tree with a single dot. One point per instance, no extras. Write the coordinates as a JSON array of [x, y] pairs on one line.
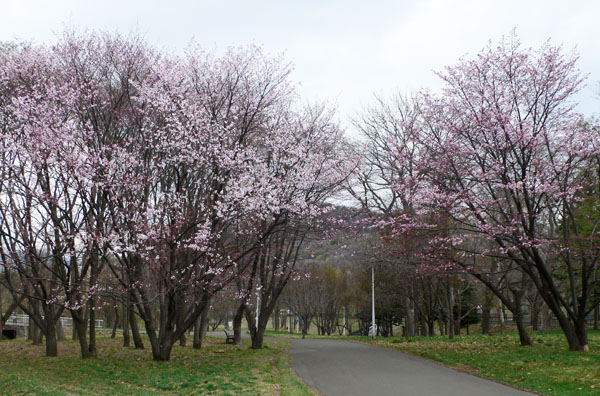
[[502, 157], [308, 169], [223, 161], [170, 172], [41, 158], [68, 121]]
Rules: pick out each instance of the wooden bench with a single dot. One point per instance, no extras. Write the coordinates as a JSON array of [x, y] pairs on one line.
[[229, 337]]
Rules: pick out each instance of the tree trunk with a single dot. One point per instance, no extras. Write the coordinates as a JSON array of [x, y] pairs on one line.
[[574, 339], [38, 335], [161, 341], [35, 331], [60, 331], [200, 327], [535, 316], [94, 272], [517, 312], [409, 318], [485, 321], [163, 354], [165, 345], [80, 327], [197, 341], [431, 328], [545, 318], [457, 321], [92, 327], [126, 337], [135, 330], [51, 342], [276, 319], [501, 318], [488, 299], [31, 331], [574, 331], [237, 324], [442, 326], [259, 334], [450, 320], [116, 324], [424, 328], [581, 333], [523, 335]]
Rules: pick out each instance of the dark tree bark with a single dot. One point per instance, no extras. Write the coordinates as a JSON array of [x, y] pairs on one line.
[[95, 269], [80, 327], [135, 330], [237, 324], [60, 331], [163, 338], [34, 333], [126, 337], [92, 326], [486, 310], [201, 327], [115, 324], [513, 304]]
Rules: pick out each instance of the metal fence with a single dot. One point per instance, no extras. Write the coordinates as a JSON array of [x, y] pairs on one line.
[[23, 321], [527, 320]]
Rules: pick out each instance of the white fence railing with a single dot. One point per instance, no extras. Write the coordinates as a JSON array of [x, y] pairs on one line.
[[23, 320]]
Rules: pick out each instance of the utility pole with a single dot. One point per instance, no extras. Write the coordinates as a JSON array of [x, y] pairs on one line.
[[373, 329], [345, 323], [257, 307]]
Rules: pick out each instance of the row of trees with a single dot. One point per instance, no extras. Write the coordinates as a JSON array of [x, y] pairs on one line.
[[496, 177], [132, 176], [334, 296], [152, 181]]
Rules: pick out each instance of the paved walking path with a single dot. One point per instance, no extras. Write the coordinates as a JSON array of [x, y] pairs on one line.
[[352, 369]]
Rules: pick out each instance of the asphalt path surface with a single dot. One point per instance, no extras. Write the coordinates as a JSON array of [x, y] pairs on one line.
[[346, 368]]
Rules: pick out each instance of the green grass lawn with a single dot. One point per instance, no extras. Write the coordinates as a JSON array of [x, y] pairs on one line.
[[547, 367], [216, 369]]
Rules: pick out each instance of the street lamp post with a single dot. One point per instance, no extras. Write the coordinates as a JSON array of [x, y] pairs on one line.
[[373, 330], [257, 307]]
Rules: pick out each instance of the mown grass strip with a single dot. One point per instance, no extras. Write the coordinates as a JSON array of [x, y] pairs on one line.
[[216, 369]]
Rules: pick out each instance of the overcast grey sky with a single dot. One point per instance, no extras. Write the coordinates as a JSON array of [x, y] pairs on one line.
[[343, 51]]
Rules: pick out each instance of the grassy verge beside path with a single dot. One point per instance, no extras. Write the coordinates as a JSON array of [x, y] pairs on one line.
[[216, 369], [547, 367], [286, 334]]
